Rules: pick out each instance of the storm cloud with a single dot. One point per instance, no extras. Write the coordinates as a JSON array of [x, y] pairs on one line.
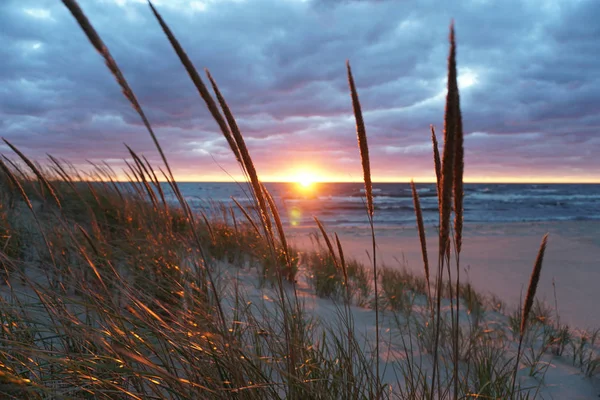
[[528, 74]]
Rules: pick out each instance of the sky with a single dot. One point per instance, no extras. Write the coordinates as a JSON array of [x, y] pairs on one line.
[[529, 80]]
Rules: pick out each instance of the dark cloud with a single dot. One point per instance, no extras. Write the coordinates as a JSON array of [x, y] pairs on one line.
[[530, 86]]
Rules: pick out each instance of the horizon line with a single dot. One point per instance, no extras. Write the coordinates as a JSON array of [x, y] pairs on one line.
[[379, 182]]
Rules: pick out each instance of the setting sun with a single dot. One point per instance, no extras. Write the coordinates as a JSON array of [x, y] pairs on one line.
[[304, 177], [305, 180]]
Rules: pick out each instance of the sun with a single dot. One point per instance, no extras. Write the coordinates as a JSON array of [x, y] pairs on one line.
[[305, 180]]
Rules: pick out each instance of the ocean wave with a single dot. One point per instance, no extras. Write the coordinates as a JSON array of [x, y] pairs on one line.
[[345, 203], [549, 218], [509, 197]]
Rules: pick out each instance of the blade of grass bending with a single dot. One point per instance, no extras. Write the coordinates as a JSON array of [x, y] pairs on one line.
[[95, 40], [111, 172], [36, 171], [328, 243], [88, 238], [208, 226], [243, 210], [157, 184], [19, 187], [422, 238], [342, 262], [134, 183], [60, 170], [233, 144], [240, 153], [290, 273], [146, 185], [21, 173], [246, 160], [142, 171], [16, 183], [533, 284], [202, 90], [265, 203]]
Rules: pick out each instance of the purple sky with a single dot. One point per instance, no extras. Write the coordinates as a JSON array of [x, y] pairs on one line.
[[528, 71]]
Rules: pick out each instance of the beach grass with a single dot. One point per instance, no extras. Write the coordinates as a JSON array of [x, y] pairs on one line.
[[119, 290]]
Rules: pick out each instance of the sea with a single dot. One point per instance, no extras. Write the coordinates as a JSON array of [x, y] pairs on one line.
[[343, 204]]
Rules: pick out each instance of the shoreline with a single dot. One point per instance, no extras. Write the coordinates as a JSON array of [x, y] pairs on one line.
[[497, 259]]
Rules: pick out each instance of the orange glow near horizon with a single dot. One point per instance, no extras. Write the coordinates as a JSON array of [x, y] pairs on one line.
[[307, 174], [306, 178], [310, 184]]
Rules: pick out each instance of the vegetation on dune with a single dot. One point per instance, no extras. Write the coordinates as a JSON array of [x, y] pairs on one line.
[[118, 290]]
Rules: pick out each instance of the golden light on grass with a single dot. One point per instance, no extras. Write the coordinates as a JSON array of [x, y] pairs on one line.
[[158, 329]]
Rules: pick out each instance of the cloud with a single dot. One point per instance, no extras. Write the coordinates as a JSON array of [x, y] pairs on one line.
[[530, 87]]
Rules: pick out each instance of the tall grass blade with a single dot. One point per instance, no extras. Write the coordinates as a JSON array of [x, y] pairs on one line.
[[445, 198], [458, 188], [362, 141], [246, 215], [422, 238], [195, 77], [459, 167], [246, 160], [533, 284], [143, 171], [437, 163], [448, 158], [290, 276], [97, 42], [327, 242], [366, 166], [157, 184]]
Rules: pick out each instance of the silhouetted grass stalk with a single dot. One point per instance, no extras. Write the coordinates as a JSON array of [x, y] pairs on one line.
[[528, 304], [422, 238], [361, 134], [446, 188], [458, 195]]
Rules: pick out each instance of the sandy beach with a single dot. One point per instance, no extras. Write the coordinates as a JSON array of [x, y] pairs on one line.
[[498, 258]]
